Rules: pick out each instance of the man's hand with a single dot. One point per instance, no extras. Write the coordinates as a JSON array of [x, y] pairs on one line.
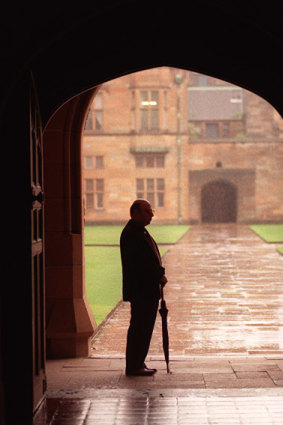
[[163, 280]]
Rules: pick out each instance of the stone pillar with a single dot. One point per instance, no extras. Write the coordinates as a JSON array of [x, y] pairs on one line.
[[69, 320]]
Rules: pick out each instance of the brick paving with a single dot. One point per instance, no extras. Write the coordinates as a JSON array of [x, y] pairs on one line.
[[225, 324]]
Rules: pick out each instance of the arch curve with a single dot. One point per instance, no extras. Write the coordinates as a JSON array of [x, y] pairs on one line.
[[111, 41]]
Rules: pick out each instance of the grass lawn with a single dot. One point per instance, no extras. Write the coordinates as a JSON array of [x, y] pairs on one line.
[[110, 235], [269, 232], [103, 274], [103, 264], [272, 233]]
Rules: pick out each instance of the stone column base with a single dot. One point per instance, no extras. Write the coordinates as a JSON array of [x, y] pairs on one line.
[[69, 328]]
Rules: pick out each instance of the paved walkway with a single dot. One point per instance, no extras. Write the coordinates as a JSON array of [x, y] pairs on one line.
[[225, 299], [224, 295]]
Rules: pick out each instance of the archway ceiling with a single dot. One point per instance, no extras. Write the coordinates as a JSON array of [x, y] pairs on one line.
[[72, 49]]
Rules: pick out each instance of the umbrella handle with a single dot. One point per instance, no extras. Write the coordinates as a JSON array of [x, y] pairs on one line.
[[161, 292]]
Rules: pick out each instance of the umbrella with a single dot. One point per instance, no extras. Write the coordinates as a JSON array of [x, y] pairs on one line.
[[163, 313]]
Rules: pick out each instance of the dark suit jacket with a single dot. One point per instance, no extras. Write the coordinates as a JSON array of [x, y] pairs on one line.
[[140, 265]]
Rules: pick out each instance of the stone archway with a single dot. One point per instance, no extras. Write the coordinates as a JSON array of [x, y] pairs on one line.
[[69, 320], [243, 182], [57, 47], [219, 202]]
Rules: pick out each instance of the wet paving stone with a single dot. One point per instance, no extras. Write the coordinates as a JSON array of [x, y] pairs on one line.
[[195, 407]]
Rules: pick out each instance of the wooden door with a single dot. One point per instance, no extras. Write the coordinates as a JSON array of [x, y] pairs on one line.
[[37, 249], [219, 203]]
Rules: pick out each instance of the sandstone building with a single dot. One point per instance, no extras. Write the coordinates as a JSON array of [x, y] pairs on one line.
[[198, 148]]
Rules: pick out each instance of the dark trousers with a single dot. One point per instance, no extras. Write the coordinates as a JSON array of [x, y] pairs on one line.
[[143, 315]]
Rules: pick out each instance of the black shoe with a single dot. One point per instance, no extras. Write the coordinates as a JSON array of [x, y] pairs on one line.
[[153, 370], [140, 372]]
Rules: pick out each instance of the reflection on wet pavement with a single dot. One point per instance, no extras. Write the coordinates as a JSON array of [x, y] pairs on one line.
[[141, 408], [224, 296]]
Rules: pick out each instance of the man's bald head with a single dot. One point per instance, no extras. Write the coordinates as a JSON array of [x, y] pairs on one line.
[[137, 206], [141, 211]]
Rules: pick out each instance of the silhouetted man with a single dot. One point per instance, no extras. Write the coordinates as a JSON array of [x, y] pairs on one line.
[[142, 276]]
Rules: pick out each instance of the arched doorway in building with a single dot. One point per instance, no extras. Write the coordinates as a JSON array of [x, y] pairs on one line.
[[58, 51], [65, 286], [219, 202]]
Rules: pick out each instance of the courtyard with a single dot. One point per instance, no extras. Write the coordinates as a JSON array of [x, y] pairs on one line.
[[225, 320]]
